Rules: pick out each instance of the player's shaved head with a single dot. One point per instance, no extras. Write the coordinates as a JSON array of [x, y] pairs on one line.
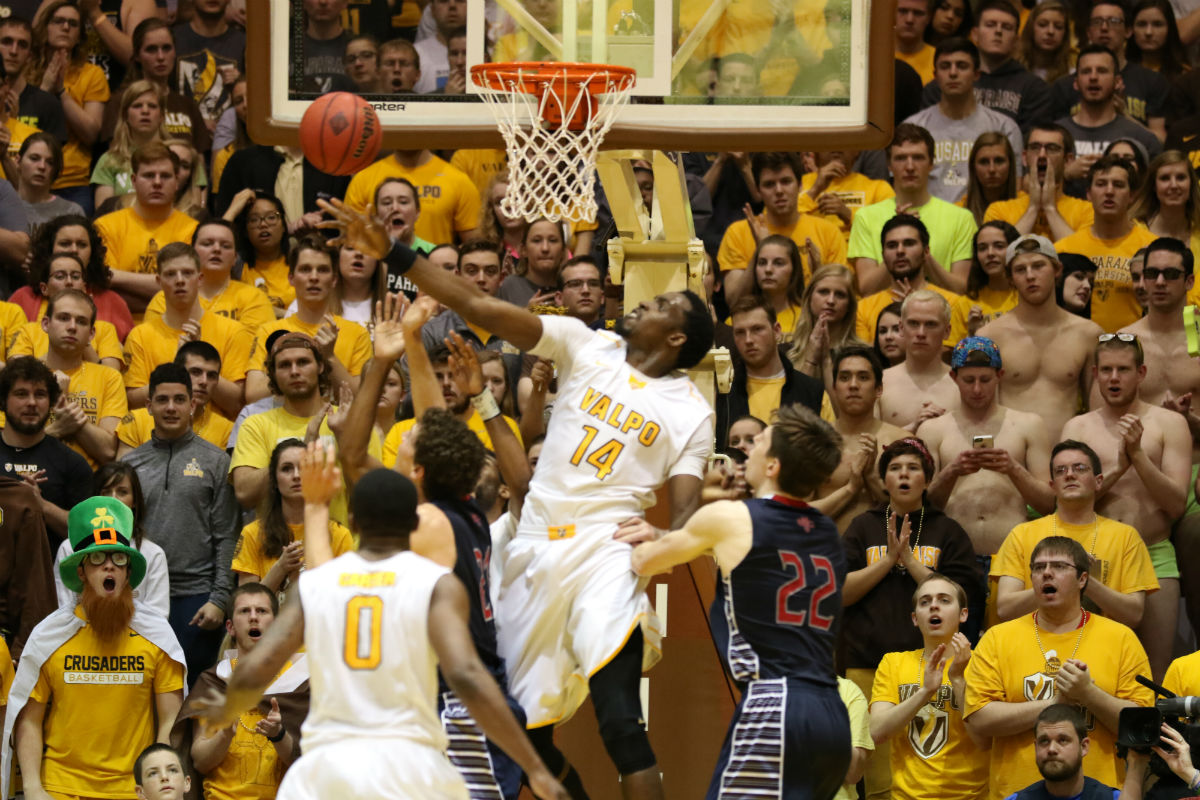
[[383, 505]]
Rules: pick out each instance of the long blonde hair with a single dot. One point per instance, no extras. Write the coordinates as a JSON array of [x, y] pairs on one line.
[[190, 199], [1146, 204], [841, 332], [1056, 64], [123, 145]]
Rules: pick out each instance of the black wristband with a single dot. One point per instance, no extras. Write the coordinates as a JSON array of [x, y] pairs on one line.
[[400, 258], [279, 738]]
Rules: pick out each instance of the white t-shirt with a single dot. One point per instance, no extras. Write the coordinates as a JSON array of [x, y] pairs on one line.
[[616, 434], [373, 673], [435, 65]]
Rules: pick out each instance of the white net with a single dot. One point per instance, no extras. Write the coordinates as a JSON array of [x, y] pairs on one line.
[[551, 168]]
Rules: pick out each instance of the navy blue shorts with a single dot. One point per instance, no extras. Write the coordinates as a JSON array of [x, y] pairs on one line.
[[788, 739], [488, 771]]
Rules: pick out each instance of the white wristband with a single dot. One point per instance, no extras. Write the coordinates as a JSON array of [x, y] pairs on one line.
[[486, 404]]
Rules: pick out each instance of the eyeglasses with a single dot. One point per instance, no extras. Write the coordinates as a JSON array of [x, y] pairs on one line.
[[70, 22], [1170, 273], [61, 275], [265, 219], [1112, 22], [579, 283], [1049, 147], [1075, 469], [97, 558], [366, 55], [1053, 566]]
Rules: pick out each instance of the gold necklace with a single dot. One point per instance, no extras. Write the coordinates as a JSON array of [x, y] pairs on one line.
[[1053, 664], [916, 542]]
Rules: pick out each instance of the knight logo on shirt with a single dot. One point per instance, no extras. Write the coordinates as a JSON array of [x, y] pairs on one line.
[[1038, 686], [929, 731], [193, 470]]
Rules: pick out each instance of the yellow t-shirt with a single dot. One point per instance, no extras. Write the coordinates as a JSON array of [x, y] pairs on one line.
[[746, 27], [100, 393], [856, 191], [391, 443], [250, 558], [6, 672], [1125, 561], [870, 307], [449, 199], [480, 165], [261, 432], [153, 342], [18, 133], [737, 245], [991, 302], [352, 348], [100, 698], [220, 159], [30, 340], [272, 278], [136, 427], [86, 84], [922, 62], [1183, 676], [763, 395], [1113, 303], [1077, 213], [934, 748], [237, 301], [133, 242], [12, 320], [1008, 667], [860, 727]]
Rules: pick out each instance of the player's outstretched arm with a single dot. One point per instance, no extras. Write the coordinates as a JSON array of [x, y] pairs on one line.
[[470, 681], [365, 233], [721, 529], [320, 480], [257, 669], [423, 384]]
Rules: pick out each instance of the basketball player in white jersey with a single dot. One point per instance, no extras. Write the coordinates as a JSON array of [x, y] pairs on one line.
[[569, 611], [377, 623]]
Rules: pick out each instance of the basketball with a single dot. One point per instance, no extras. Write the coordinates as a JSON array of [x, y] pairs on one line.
[[340, 133]]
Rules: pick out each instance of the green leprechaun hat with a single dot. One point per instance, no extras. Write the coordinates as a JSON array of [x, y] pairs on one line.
[[100, 525]]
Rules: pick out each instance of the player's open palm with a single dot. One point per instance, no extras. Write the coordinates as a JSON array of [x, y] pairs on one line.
[[419, 312], [464, 364], [320, 476], [363, 232]]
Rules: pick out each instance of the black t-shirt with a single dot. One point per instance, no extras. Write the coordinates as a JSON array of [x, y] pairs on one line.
[[68, 476], [324, 66], [43, 111], [196, 58], [1146, 94]]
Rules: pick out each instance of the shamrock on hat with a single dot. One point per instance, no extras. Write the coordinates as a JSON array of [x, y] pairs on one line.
[[100, 525]]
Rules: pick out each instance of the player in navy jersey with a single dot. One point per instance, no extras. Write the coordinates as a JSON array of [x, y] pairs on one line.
[[775, 615]]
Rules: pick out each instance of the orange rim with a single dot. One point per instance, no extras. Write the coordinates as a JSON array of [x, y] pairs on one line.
[[565, 81]]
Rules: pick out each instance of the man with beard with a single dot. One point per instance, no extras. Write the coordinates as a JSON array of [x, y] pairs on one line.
[[59, 475], [97, 682], [1042, 207], [190, 512], [578, 615], [1059, 654], [248, 758], [906, 256], [298, 372], [345, 346]]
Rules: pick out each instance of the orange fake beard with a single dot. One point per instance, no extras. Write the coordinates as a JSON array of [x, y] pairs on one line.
[[108, 616]]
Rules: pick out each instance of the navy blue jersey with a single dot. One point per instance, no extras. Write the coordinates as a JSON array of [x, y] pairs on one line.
[[473, 544], [776, 615]]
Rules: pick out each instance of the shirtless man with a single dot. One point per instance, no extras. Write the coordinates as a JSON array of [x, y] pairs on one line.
[[1172, 378], [1146, 454], [855, 485], [920, 387], [1048, 347], [986, 486]]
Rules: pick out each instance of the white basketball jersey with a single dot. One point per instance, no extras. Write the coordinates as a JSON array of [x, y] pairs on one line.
[[615, 436], [373, 671]]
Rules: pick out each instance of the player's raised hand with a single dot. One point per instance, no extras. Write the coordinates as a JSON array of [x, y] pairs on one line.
[[320, 476], [389, 333], [464, 365], [363, 232], [216, 713], [419, 312]]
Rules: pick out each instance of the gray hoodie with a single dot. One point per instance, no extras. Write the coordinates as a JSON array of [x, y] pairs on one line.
[[191, 512]]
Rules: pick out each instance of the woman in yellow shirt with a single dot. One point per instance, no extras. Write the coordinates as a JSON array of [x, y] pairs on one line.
[[989, 293], [778, 279], [271, 549], [1169, 200], [60, 68], [828, 311], [992, 173], [264, 225]]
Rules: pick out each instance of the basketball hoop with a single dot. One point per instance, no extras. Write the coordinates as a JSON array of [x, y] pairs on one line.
[[553, 117]]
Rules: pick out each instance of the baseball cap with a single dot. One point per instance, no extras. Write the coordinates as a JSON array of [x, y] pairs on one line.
[[1043, 246], [975, 344]]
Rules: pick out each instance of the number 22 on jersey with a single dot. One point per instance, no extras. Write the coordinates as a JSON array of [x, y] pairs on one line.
[[362, 648], [820, 569]]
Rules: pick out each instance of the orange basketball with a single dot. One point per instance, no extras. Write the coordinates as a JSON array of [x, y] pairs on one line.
[[340, 133]]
